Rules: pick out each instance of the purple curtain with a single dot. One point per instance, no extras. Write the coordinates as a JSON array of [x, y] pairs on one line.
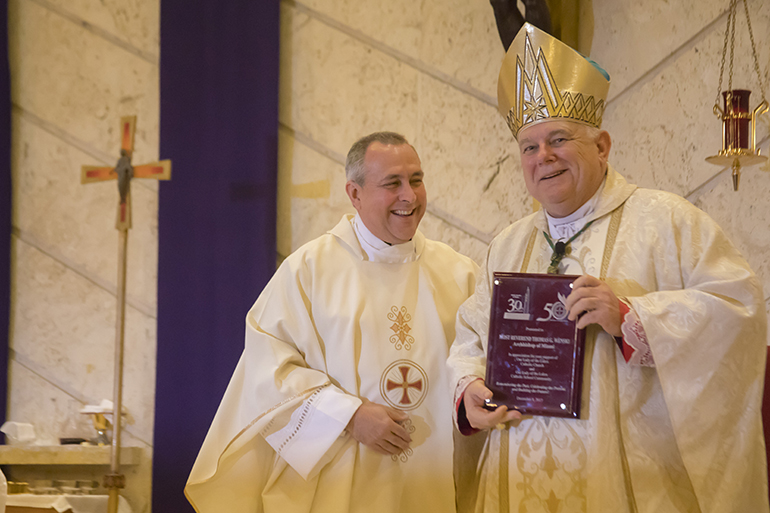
[[218, 125], [5, 206]]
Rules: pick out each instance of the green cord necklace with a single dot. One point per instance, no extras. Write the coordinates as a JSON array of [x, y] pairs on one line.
[[560, 249]]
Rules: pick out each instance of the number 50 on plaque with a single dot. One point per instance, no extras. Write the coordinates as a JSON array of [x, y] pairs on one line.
[[534, 354]]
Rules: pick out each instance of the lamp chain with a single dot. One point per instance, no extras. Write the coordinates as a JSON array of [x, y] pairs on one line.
[[754, 51], [724, 53], [733, 6], [730, 36]]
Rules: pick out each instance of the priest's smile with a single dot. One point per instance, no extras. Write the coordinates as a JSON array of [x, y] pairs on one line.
[[392, 199]]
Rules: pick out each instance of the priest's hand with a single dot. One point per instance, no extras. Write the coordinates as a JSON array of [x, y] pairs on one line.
[[593, 302], [377, 427], [478, 416]]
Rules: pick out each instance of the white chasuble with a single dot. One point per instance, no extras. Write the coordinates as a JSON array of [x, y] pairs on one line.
[[683, 436], [340, 321]]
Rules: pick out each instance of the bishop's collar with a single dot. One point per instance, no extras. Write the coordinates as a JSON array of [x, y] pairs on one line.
[[566, 227]]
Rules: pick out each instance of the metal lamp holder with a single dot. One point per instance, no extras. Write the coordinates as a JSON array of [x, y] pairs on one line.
[[739, 139]]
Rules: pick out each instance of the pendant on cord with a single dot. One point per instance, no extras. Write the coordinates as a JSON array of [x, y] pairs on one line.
[[561, 249]]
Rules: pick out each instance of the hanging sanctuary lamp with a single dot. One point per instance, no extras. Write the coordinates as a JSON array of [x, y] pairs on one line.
[[738, 122]]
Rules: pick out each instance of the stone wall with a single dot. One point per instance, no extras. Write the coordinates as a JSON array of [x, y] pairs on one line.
[[77, 66], [429, 69], [426, 68]]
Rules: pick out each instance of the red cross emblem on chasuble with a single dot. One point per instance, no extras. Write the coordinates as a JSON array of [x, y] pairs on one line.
[[404, 385]]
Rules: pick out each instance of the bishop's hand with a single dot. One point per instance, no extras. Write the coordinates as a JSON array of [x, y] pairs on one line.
[[593, 302], [377, 427], [478, 416]]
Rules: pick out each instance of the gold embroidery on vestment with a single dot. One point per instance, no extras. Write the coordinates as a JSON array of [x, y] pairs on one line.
[[552, 483], [612, 235], [400, 318], [528, 251], [404, 455], [404, 385], [504, 495]]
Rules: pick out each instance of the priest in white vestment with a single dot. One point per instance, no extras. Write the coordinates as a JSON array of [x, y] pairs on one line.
[[675, 319], [341, 401]]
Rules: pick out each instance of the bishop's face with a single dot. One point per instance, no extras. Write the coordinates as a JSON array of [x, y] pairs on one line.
[[563, 164], [392, 200]]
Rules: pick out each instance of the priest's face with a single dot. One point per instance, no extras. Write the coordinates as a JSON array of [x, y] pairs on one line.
[[564, 163], [392, 200]]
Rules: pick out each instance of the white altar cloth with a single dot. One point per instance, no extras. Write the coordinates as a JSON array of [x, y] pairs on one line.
[[65, 503]]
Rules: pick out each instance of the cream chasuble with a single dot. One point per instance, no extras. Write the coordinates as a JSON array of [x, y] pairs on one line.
[[345, 317], [683, 436]]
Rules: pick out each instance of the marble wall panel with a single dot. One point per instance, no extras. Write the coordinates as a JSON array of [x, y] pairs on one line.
[[743, 214], [311, 194], [66, 325], [89, 83], [76, 221], [436, 229], [470, 159], [461, 40], [454, 37], [49, 409], [335, 89], [398, 24], [632, 37], [76, 68], [135, 21], [664, 129]]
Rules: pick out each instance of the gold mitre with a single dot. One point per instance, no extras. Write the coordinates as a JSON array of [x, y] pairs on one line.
[[542, 79]]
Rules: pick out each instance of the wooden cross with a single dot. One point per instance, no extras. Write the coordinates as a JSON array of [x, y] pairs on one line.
[[123, 172]]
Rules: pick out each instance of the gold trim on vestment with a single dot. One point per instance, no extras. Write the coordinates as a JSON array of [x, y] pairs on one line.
[[609, 245], [612, 235], [528, 251], [505, 435]]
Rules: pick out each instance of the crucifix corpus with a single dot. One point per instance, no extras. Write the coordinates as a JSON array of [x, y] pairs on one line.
[[123, 172]]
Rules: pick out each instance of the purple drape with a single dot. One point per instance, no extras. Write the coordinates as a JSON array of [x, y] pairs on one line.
[[218, 125]]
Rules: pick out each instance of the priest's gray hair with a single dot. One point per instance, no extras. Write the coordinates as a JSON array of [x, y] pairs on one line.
[[354, 164]]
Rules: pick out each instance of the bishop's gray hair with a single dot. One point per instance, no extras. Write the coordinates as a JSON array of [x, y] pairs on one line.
[[590, 131], [354, 164]]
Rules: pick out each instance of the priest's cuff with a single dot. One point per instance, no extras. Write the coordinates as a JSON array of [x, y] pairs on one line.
[[634, 343], [460, 417], [313, 429]]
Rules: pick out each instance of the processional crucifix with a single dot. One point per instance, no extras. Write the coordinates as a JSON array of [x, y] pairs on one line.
[[123, 172]]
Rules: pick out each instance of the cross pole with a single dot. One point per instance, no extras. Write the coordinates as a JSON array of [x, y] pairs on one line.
[[123, 172]]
